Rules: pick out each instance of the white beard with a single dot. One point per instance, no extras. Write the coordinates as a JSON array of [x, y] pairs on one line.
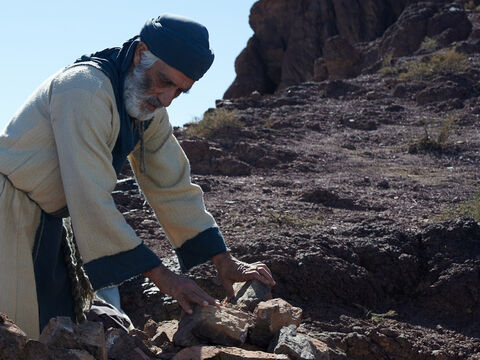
[[136, 84]]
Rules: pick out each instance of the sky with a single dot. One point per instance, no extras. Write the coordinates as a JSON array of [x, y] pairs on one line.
[[41, 37]]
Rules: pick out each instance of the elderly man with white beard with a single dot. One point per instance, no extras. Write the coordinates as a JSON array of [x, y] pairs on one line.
[[61, 235]]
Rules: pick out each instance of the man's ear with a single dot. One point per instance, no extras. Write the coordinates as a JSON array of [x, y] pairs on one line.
[[141, 47]]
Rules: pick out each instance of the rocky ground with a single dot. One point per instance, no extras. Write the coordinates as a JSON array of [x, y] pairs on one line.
[[363, 225]]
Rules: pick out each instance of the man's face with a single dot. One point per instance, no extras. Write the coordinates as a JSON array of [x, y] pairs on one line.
[[148, 89]]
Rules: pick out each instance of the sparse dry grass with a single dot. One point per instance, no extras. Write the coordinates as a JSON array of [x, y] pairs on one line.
[[429, 143], [429, 44], [377, 318], [388, 67], [469, 208], [212, 122], [444, 62]]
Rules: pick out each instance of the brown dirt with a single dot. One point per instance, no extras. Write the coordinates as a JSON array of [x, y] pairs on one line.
[[354, 226]]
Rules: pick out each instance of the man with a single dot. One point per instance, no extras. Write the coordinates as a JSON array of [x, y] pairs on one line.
[[60, 155]]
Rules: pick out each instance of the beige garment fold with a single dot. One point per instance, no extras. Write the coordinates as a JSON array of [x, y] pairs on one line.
[[19, 220]]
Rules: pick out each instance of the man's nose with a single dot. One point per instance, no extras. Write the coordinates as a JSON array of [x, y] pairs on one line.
[[167, 97]]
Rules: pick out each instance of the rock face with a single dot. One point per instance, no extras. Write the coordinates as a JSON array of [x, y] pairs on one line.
[[299, 40], [289, 36]]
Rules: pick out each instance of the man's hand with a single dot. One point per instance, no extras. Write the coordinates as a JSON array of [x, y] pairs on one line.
[[231, 270], [182, 289]]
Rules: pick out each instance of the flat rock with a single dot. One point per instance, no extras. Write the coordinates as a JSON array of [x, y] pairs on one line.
[[213, 325], [249, 294], [225, 353]]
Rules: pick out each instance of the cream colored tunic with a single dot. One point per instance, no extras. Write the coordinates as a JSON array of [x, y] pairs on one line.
[[57, 151]]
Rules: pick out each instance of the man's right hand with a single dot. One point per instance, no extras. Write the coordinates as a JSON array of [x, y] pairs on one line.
[[182, 289]]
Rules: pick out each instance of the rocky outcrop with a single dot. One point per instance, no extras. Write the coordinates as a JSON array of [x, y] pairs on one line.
[[298, 41], [289, 35]]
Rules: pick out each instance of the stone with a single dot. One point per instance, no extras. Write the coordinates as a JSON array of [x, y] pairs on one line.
[[165, 332], [61, 332], [220, 325], [12, 339], [123, 346], [224, 353], [299, 346], [71, 354], [270, 317], [249, 294], [36, 350]]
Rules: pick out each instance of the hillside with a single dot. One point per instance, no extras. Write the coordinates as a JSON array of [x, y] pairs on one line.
[[358, 193]]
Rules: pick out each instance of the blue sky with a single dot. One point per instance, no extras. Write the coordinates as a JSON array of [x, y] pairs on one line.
[[39, 38]]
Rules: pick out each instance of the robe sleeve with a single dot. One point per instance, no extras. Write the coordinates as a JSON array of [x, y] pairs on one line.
[[177, 203], [81, 116]]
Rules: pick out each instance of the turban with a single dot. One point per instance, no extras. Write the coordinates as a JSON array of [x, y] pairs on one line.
[[180, 42]]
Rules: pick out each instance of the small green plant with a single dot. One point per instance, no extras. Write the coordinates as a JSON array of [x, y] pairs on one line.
[[377, 318], [428, 44], [439, 63], [469, 208], [214, 122], [441, 143], [388, 67]]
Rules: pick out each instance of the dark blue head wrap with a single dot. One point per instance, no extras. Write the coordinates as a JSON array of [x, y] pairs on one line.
[[180, 42]]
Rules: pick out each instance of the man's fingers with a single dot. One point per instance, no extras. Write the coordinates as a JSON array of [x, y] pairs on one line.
[[228, 286], [260, 275], [185, 305], [202, 298], [267, 275], [259, 266]]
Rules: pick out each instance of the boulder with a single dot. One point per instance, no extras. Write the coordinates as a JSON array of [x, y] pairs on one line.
[[220, 325]]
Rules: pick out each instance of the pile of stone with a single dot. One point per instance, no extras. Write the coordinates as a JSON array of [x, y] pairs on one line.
[[254, 326]]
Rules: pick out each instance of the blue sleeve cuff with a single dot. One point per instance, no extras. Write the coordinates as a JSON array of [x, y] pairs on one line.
[[115, 269], [201, 248]]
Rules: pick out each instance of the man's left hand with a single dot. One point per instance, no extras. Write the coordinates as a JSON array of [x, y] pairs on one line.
[[231, 270]]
